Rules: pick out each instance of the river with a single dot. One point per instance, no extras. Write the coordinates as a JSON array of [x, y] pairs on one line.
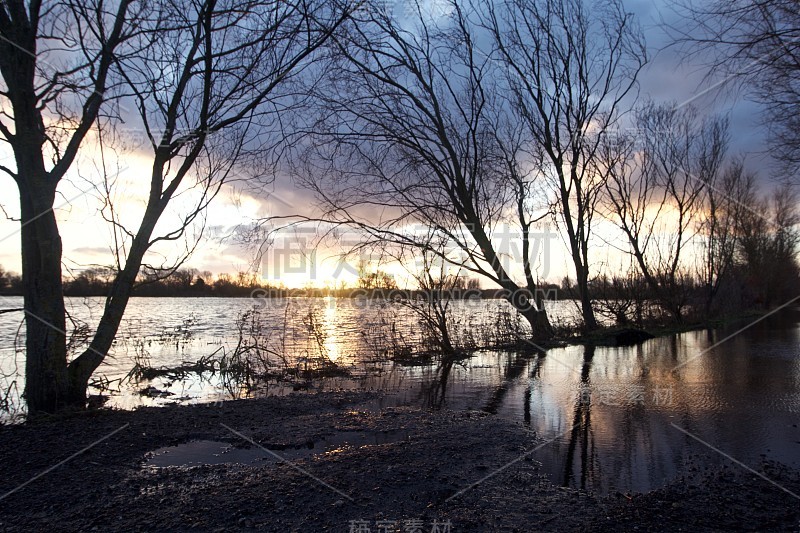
[[614, 418]]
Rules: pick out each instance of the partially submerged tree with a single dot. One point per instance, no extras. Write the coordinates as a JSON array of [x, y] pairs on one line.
[[621, 298], [208, 94], [432, 304], [55, 60], [570, 69], [412, 138], [655, 193], [204, 76]]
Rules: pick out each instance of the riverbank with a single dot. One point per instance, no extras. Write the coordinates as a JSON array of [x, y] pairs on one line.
[[616, 335], [472, 470]]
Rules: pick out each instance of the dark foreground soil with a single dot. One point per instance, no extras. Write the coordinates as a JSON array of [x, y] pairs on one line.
[[466, 471]]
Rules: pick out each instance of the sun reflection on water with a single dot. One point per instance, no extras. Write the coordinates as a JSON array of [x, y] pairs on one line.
[[330, 324]]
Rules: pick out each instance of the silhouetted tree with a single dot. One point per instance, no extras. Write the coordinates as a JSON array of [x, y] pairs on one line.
[[419, 128], [726, 204], [655, 193], [756, 42], [55, 62], [767, 247], [194, 70], [570, 69], [4, 281]]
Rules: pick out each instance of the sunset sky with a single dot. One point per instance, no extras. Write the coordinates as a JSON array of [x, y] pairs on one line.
[[87, 238]]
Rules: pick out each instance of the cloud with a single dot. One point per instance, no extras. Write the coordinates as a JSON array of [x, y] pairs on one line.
[[92, 250]]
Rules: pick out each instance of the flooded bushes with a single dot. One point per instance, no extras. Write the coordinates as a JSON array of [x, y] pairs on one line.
[[259, 352], [442, 327]]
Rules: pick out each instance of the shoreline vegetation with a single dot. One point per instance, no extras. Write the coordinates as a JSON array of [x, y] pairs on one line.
[[257, 358], [237, 366]]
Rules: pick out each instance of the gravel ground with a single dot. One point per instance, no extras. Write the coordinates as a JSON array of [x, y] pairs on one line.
[[437, 471]]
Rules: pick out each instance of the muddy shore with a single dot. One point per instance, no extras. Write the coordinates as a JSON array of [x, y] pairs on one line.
[[466, 471]]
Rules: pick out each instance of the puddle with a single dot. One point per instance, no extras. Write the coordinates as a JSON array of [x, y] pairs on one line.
[[203, 452], [212, 452]]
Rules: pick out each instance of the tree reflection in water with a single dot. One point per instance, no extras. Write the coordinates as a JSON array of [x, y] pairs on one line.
[[581, 433]]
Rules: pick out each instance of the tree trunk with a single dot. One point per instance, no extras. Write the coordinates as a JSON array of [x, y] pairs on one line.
[[589, 320], [579, 260], [528, 305], [81, 369], [46, 381], [541, 329]]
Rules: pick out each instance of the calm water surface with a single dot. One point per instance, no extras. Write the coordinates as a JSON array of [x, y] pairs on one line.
[[617, 419]]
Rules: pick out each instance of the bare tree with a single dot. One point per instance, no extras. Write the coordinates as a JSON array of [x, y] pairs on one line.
[[683, 154], [4, 282], [655, 192], [55, 59], [413, 134], [377, 279], [726, 206], [195, 70], [767, 247], [208, 92], [755, 42], [432, 303], [569, 67], [621, 298]]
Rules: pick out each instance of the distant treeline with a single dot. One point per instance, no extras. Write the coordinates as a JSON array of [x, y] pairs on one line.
[[191, 282], [10, 283], [756, 279]]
